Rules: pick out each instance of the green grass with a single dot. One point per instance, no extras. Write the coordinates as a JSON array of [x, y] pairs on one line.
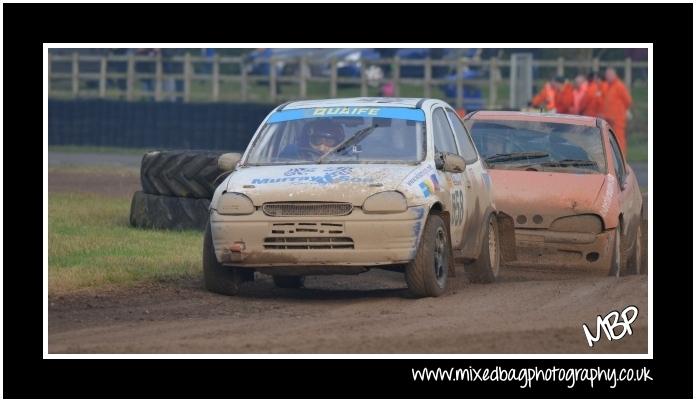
[[94, 149], [96, 169], [91, 245]]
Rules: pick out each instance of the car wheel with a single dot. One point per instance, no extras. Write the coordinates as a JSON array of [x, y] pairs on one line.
[[217, 277], [634, 263], [615, 267], [288, 281], [426, 275], [486, 268]]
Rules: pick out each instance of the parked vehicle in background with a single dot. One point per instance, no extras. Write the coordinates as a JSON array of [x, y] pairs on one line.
[[341, 186], [575, 200], [471, 94], [258, 61], [349, 63]]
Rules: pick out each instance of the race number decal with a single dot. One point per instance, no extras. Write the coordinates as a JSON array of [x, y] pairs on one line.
[[457, 207]]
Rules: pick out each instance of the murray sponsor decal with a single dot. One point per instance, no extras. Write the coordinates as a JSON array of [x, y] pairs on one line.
[[327, 175], [419, 174]]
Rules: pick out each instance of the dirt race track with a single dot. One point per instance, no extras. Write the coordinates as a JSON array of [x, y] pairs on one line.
[[530, 310]]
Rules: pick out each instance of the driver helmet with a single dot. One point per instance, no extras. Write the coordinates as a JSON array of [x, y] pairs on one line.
[[326, 134]]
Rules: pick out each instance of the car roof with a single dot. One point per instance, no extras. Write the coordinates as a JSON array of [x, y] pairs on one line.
[[363, 101], [532, 116]]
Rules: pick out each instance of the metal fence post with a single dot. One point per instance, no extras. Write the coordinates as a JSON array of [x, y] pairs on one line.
[[49, 74], [595, 65], [304, 71], [560, 67], [492, 83], [216, 78], [243, 81], [130, 76], [397, 76], [75, 74], [334, 77], [272, 79], [102, 77], [460, 86], [428, 73], [158, 78], [187, 77], [628, 74]]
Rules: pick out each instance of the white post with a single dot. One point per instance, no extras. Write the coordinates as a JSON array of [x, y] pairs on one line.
[[187, 77], [75, 74], [216, 78], [102, 77]]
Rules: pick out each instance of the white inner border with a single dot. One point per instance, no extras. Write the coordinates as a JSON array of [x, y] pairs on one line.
[[46, 355]]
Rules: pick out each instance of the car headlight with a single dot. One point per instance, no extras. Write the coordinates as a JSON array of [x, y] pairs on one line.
[[585, 223], [385, 202], [235, 204]]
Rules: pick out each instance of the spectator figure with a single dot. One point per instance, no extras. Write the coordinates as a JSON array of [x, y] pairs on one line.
[[147, 67], [579, 92], [174, 87], [546, 98], [564, 95], [617, 102], [207, 68], [591, 104], [387, 89]]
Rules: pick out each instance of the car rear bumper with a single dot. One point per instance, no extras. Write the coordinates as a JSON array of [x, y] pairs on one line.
[[564, 249], [355, 240]]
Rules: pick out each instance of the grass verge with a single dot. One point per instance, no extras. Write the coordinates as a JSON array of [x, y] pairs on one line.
[[91, 245], [76, 149]]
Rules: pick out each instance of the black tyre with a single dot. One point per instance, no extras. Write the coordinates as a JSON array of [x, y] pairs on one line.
[[289, 281], [217, 277], [615, 266], [180, 173], [634, 261], [644, 249], [163, 212], [426, 275], [486, 268]]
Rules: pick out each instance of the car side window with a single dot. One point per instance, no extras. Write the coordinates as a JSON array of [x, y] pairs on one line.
[[618, 158], [442, 133], [465, 143]]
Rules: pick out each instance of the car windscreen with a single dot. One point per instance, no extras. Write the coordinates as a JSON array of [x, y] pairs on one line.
[[510, 144], [340, 135]]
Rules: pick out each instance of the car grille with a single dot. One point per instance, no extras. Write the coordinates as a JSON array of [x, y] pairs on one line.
[[307, 243], [307, 208], [307, 236]]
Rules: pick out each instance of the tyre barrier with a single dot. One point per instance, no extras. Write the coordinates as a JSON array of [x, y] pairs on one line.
[[180, 173], [154, 211], [176, 189]]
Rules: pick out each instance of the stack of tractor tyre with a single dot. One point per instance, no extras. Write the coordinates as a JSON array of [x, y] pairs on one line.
[[177, 188]]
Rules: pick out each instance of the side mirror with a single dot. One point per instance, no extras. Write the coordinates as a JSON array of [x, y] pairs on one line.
[[450, 162], [227, 162]]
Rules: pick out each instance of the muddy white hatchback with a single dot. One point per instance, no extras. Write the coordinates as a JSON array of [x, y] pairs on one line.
[[341, 186]]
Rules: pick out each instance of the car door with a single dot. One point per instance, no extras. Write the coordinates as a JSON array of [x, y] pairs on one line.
[[628, 197], [454, 196], [476, 183]]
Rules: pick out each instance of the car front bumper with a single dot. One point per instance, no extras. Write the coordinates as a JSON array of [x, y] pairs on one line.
[[564, 249], [356, 240]]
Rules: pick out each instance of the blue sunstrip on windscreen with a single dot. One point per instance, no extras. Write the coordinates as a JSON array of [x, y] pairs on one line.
[[384, 112]]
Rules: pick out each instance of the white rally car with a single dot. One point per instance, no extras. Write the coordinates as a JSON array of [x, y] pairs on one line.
[[340, 186]]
